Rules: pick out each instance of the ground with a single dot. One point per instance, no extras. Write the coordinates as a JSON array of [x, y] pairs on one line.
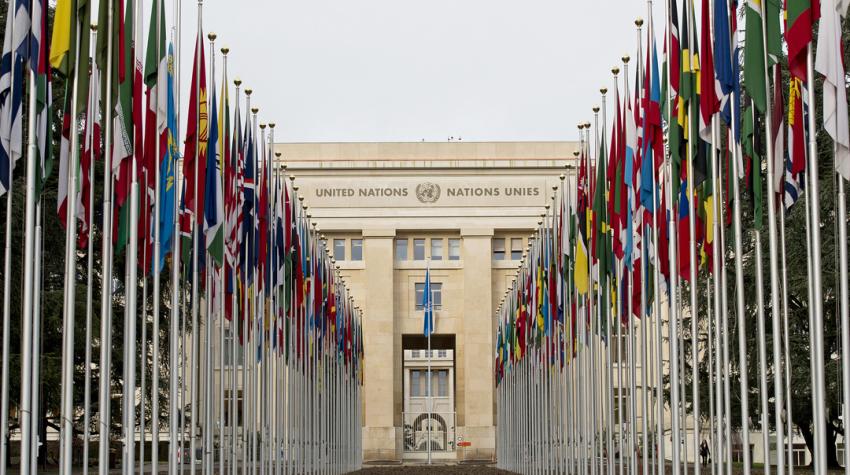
[[472, 469]]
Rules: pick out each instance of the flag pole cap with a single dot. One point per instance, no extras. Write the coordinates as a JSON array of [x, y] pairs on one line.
[[237, 82], [271, 125], [254, 110], [555, 187], [212, 36], [93, 27], [587, 124], [615, 70], [626, 59], [547, 207], [225, 50], [248, 91], [291, 177], [575, 154], [596, 108], [562, 177], [639, 22], [262, 126]]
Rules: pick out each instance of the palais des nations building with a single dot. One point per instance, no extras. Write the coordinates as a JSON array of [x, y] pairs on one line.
[[387, 209]]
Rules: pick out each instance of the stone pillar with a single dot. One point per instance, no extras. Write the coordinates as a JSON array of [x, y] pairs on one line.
[[381, 439], [477, 343]]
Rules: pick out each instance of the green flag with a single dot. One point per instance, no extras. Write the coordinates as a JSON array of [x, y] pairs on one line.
[[754, 48]]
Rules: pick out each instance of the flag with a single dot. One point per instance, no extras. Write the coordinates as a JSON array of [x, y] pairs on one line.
[[195, 147], [214, 201], [795, 163], [11, 90], [167, 165], [44, 94], [428, 305], [778, 132], [91, 151], [755, 74], [709, 87], [829, 62], [800, 17]]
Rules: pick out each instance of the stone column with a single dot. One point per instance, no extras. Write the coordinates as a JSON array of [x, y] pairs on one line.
[[477, 345], [381, 439]]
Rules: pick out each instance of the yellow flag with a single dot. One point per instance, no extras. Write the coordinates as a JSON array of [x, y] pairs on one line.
[[60, 43]]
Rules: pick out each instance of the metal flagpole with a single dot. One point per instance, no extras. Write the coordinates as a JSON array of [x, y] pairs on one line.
[[739, 293], [130, 319], [195, 216], [841, 219], [106, 262], [718, 267], [693, 310], [7, 281], [175, 441], [157, 250], [66, 430], [209, 402], [787, 366], [727, 432], [38, 327], [92, 101], [630, 344]]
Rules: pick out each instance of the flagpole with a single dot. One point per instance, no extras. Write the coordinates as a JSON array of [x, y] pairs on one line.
[[718, 266], [175, 411], [157, 253], [787, 343], [195, 217], [105, 362], [841, 219], [89, 279], [429, 316], [5, 438], [223, 289], [727, 390]]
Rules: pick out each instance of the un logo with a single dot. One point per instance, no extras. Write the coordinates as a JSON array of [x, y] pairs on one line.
[[428, 192]]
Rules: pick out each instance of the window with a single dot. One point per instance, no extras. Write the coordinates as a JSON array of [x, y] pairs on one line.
[[356, 249], [339, 249], [419, 383], [228, 354], [415, 383], [454, 249], [232, 414], [442, 383], [436, 249], [418, 249], [499, 249], [516, 249], [401, 249], [436, 294]]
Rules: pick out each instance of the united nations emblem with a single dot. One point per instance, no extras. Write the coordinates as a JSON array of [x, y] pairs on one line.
[[428, 192]]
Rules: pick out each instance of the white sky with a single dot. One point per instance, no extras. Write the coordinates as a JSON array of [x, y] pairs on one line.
[[407, 70]]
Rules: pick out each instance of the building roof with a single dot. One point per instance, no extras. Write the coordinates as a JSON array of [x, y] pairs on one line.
[[426, 154]]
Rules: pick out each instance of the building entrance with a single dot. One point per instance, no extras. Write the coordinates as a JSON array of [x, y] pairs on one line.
[[435, 427]]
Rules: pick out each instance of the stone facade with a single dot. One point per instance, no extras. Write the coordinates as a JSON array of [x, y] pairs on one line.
[[473, 197]]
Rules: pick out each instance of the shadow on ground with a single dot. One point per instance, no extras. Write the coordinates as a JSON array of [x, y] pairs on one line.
[[432, 469]]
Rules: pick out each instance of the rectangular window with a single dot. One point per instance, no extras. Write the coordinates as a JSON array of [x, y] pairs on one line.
[[516, 249], [443, 383], [437, 249], [415, 383], [454, 249], [228, 354], [339, 249], [499, 249], [356, 249], [436, 294], [418, 249], [234, 413], [401, 249]]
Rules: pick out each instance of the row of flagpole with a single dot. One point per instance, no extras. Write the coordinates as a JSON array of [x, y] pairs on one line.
[[251, 278], [616, 253]]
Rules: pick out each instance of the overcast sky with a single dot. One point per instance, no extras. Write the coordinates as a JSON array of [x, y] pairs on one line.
[[407, 70]]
